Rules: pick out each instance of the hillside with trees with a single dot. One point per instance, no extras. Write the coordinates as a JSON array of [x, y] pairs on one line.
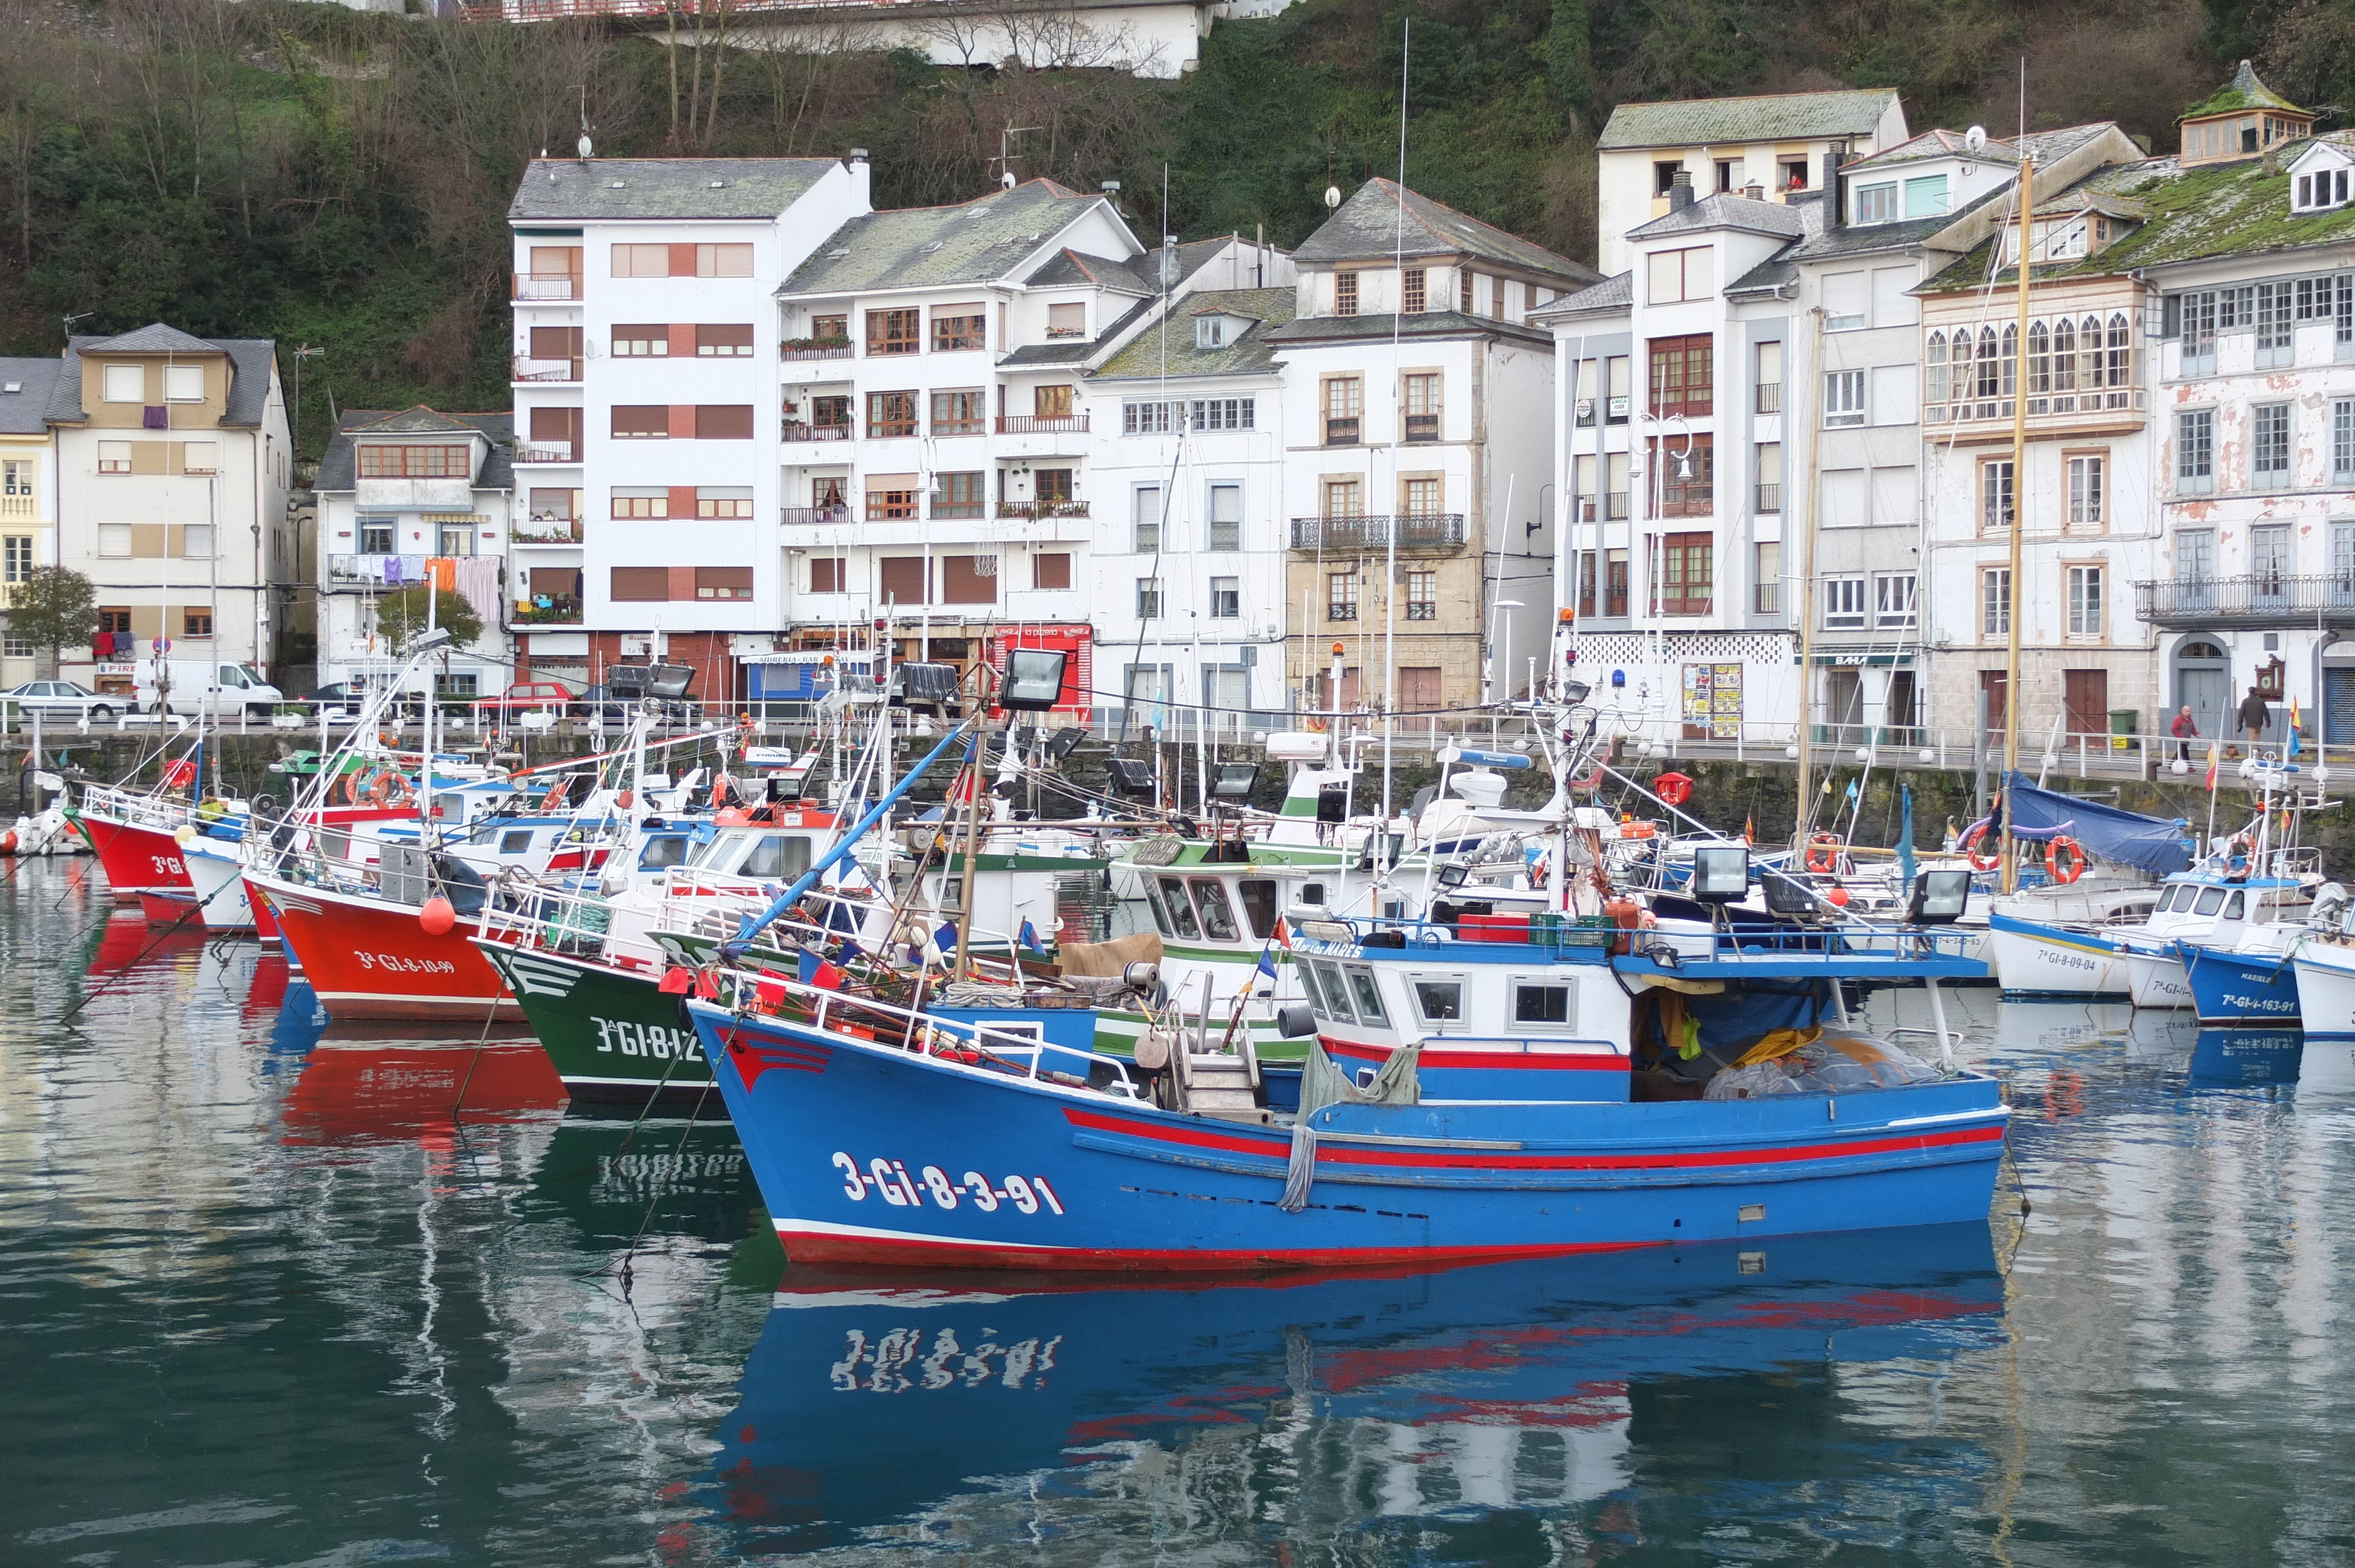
[[341, 179]]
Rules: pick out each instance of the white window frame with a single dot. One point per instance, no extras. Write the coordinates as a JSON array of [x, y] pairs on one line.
[[2087, 589], [1844, 398], [1895, 601], [1877, 203], [1843, 602], [114, 380], [176, 381]]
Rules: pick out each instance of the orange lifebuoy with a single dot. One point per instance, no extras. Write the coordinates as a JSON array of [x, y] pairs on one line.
[[354, 781], [2052, 853], [1822, 853], [1978, 835], [1637, 830], [179, 774], [720, 785], [389, 789]]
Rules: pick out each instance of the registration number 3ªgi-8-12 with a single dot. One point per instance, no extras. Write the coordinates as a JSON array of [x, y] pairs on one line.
[[890, 1181]]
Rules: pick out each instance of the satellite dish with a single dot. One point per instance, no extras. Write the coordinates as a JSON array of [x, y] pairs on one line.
[[583, 143], [1007, 179], [1332, 196], [1974, 139]]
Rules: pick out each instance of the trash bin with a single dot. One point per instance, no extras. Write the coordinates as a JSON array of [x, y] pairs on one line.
[[2122, 728]]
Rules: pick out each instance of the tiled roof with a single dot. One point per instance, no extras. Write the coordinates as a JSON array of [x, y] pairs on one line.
[[1069, 267], [2243, 92], [250, 358], [573, 189], [338, 465], [1935, 144], [25, 411], [1772, 117], [1152, 352], [971, 242], [1367, 227], [1723, 211]]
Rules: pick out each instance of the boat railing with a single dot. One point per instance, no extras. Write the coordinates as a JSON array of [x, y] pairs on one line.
[[1730, 943], [978, 1047]]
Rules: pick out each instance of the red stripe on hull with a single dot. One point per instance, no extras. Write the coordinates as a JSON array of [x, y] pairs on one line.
[[371, 960], [134, 858], [1339, 1154], [265, 925], [830, 1248], [1436, 1054]]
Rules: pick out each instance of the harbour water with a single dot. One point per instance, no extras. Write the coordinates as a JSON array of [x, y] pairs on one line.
[[267, 1300]]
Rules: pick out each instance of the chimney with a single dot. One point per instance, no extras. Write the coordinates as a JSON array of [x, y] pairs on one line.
[[861, 179], [1835, 195], [1680, 191], [1753, 191]]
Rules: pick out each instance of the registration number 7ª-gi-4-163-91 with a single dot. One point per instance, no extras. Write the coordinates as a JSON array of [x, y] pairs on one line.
[[890, 1182]]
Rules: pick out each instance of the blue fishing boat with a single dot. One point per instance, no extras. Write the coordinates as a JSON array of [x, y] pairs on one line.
[[2230, 985], [866, 1405], [1465, 1100]]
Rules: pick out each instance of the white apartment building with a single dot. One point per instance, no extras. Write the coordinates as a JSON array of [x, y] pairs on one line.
[[1417, 398], [1187, 579], [172, 472], [412, 497], [654, 439], [935, 459], [1770, 148], [28, 487]]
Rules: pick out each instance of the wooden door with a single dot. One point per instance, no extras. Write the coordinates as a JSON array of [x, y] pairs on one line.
[[2085, 694], [1994, 686]]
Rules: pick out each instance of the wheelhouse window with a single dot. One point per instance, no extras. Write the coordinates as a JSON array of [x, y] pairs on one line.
[[1541, 1003], [1438, 1001]]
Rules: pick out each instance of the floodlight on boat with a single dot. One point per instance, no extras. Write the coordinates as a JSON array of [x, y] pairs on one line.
[[1575, 692], [1236, 780], [1939, 898], [1034, 679], [1130, 775], [1453, 876], [1720, 874], [426, 642], [1064, 742], [1789, 894]]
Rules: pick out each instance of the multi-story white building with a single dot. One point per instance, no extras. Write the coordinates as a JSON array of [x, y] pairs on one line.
[[1771, 148], [1417, 396], [936, 445], [172, 468], [29, 488], [409, 498], [646, 403]]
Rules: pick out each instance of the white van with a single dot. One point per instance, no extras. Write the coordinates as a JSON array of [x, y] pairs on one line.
[[200, 686]]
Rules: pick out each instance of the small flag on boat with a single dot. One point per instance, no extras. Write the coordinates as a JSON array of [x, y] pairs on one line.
[[1267, 961], [1030, 937], [945, 937], [825, 977], [1906, 837], [807, 964], [2294, 727], [1284, 933], [1750, 829], [2211, 767]]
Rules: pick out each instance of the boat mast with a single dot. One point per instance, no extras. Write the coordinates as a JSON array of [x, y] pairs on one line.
[[1807, 584], [2018, 522]]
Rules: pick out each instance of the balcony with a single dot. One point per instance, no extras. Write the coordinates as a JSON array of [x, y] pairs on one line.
[[2257, 600], [1042, 424], [532, 452], [1420, 428], [1769, 498], [1422, 609], [559, 609], [543, 286], [527, 368], [813, 516], [2111, 404], [794, 431], [546, 531], [814, 348], [1340, 613], [1770, 397], [1037, 509], [1340, 432], [18, 506], [1438, 531], [1767, 599]]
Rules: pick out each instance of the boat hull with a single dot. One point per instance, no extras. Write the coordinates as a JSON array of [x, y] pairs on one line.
[[613, 1036], [2240, 988], [2325, 989], [372, 961], [2036, 960], [869, 1154], [135, 859], [2155, 977]]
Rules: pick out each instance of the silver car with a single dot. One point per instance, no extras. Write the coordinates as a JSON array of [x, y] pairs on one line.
[[65, 700]]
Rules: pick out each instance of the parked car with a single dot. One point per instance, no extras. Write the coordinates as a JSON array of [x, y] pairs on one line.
[[64, 699], [344, 699], [598, 702], [525, 696]]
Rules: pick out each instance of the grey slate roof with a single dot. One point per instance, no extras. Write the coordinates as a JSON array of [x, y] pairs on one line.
[[1072, 350], [1431, 323], [1070, 266], [1772, 117], [1723, 211], [1617, 292], [154, 338], [970, 242], [572, 190], [1246, 354], [25, 411], [338, 465], [1366, 227], [1935, 144], [249, 359]]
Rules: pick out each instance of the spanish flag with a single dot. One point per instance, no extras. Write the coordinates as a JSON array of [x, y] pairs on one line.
[[2212, 767], [2294, 727]]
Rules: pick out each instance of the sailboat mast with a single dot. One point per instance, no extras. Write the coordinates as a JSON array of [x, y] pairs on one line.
[[1807, 597], [2019, 524]]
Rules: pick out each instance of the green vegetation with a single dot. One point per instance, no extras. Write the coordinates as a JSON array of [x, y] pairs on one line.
[[53, 607], [320, 175], [402, 614]]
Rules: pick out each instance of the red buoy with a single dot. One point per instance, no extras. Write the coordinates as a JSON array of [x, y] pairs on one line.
[[437, 918]]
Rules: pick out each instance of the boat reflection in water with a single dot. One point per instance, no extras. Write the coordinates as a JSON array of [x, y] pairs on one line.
[[988, 1407], [374, 1082], [2246, 1058]]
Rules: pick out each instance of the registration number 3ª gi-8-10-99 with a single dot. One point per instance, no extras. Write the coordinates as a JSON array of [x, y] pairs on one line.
[[890, 1181]]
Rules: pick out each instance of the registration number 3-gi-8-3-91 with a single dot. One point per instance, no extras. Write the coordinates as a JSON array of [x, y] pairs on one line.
[[890, 1182]]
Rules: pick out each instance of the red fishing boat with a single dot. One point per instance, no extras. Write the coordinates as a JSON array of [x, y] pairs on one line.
[[132, 834], [374, 957]]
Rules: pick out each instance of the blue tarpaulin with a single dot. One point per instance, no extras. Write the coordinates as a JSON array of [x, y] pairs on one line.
[[2127, 838]]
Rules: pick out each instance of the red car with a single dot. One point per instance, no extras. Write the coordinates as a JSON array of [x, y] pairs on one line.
[[526, 695]]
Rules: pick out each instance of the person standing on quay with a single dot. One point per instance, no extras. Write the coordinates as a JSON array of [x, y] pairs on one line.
[[2255, 715]]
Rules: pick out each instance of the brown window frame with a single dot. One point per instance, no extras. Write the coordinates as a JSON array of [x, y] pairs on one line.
[[723, 340], [1694, 497], [887, 418], [1683, 375], [956, 332], [1684, 550], [894, 332]]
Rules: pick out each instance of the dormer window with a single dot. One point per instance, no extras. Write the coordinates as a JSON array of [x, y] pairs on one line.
[[1210, 332], [2319, 191], [1876, 204]]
